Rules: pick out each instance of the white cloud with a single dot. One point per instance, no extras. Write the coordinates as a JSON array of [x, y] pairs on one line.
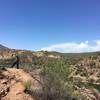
[[74, 47]]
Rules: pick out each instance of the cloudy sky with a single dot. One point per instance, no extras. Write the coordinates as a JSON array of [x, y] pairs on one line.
[[54, 25], [75, 47]]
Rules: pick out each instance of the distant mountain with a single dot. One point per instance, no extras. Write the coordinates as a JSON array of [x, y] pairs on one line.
[[3, 47]]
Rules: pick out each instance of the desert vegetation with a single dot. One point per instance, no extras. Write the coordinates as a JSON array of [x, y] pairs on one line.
[[63, 77]]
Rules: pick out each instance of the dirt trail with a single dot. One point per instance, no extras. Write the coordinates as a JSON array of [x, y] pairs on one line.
[[12, 79]]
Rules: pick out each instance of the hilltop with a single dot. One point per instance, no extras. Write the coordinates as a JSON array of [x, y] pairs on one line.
[[3, 47]]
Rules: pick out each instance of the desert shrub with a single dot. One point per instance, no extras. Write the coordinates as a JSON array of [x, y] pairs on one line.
[[78, 96], [82, 72], [27, 85], [96, 86], [26, 66], [53, 75], [92, 64], [91, 80], [77, 81], [98, 81]]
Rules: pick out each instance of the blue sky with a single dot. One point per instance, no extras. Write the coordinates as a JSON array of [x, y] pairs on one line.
[[41, 24]]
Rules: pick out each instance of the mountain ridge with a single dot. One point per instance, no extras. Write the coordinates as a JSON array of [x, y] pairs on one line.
[[2, 47]]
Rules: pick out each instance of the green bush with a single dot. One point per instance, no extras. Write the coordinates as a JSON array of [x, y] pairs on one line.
[[54, 75], [27, 85]]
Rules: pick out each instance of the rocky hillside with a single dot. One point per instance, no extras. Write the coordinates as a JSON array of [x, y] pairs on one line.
[[79, 72]]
